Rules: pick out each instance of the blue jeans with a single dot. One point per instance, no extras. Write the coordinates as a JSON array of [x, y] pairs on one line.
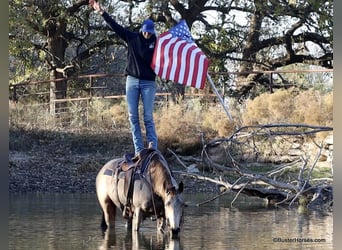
[[136, 88]]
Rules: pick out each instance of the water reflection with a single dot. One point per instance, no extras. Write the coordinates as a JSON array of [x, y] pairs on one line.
[[73, 222], [138, 241]]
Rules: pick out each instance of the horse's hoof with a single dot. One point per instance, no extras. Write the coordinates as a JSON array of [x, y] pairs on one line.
[[175, 233], [128, 224]]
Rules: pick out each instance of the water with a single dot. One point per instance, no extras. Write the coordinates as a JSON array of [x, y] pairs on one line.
[[72, 221]]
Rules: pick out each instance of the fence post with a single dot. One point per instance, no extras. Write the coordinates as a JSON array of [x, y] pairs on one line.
[[271, 82], [52, 98]]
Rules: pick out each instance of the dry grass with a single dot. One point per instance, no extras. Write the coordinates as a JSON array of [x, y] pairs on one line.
[[182, 126], [289, 106]]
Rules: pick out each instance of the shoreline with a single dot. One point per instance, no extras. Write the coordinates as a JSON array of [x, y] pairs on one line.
[[42, 173]]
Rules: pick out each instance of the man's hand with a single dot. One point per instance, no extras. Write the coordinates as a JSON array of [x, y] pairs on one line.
[[96, 6]]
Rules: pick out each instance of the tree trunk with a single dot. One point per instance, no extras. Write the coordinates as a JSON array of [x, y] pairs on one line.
[[56, 46], [245, 81]]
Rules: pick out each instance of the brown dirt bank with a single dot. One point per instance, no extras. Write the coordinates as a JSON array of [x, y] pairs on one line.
[[67, 162]]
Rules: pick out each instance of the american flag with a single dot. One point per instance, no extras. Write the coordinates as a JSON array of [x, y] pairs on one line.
[[177, 58]]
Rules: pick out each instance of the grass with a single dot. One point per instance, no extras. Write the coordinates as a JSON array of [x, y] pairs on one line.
[[182, 127]]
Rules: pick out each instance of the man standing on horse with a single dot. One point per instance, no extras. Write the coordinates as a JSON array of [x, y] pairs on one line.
[[140, 81]]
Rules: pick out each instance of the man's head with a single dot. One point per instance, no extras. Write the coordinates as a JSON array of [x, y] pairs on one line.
[[147, 28]]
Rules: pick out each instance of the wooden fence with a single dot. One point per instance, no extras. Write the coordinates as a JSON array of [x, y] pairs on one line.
[[30, 102]]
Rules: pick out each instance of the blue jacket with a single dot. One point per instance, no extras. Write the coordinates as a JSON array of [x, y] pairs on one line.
[[140, 50]]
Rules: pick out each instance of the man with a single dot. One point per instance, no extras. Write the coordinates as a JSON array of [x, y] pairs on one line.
[[140, 81]]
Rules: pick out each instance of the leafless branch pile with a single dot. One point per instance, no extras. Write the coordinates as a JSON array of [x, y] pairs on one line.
[[284, 164]]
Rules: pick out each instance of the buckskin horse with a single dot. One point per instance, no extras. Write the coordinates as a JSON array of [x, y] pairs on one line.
[[140, 187]]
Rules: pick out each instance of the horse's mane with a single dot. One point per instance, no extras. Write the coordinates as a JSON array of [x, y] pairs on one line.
[[160, 174]]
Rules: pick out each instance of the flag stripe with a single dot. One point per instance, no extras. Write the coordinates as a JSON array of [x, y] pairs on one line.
[[158, 60], [204, 71], [178, 66], [193, 67], [200, 70], [168, 55], [184, 63], [179, 46]]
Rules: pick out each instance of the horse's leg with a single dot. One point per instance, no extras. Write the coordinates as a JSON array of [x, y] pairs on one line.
[[103, 222], [161, 224], [136, 219], [135, 240], [109, 240], [109, 211], [129, 223]]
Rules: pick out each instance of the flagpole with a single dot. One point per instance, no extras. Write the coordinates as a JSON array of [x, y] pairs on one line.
[[218, 95]]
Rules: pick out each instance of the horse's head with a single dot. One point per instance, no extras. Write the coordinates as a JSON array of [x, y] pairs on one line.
[[165, 186], [174, 208]]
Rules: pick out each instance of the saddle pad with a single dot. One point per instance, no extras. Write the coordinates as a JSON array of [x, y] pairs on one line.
[[108, 172]]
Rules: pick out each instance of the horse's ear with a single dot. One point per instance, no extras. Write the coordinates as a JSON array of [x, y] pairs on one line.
[[180, 187]]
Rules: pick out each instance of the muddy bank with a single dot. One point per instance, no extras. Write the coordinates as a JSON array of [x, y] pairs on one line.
[[45, 161]]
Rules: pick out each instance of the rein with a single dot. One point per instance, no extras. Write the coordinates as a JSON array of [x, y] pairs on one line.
[[164, 164], [153, 203], [152, 192]]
